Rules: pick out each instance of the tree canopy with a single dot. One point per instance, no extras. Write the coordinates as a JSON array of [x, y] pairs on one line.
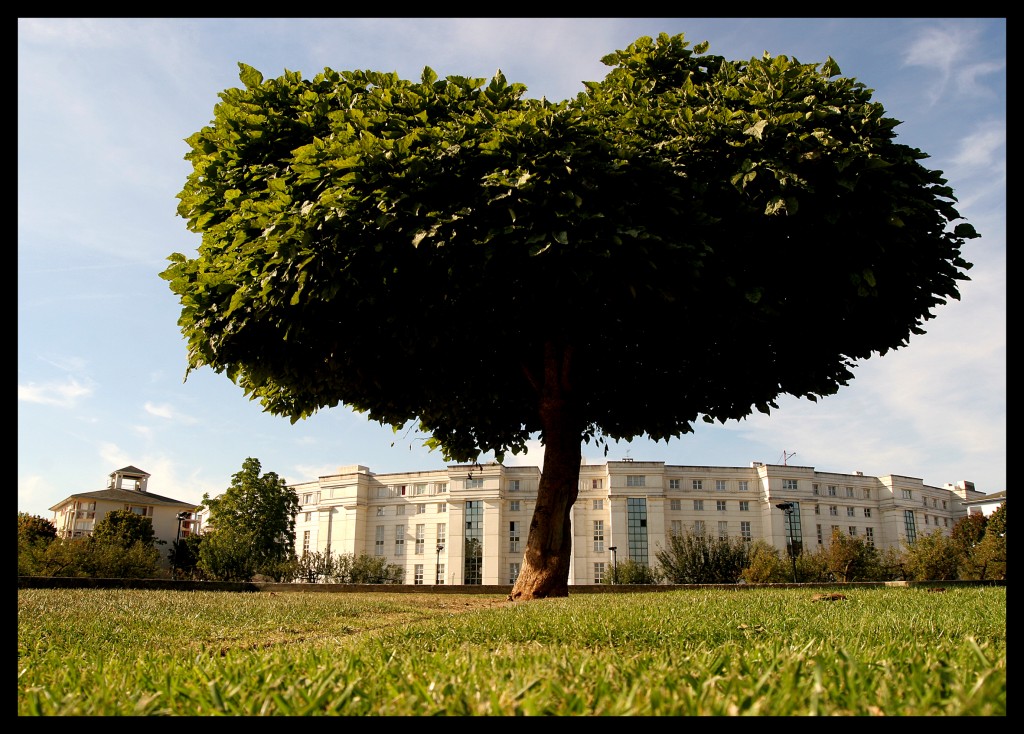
[[251, 526], [689, 238]]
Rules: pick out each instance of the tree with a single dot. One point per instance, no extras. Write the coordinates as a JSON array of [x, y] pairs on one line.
[[251, 527], [184, 556], [850, 558], [765, 565], [696, 558], [124, 528], [494, 268], [35, 534], [967, 534], [931, 557], [990, 553], [633, 572]]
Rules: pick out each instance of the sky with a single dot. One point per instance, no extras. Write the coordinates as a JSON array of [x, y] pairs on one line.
[[105, 106]]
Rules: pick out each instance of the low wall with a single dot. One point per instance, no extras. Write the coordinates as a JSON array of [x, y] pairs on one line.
[[59, 582]]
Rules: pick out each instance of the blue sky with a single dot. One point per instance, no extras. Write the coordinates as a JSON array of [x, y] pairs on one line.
[[104, 106]]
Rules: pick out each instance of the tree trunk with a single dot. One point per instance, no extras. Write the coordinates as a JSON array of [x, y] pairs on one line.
[[545, 569]]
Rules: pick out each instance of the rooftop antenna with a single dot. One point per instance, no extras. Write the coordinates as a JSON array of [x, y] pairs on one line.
[[786, 457]]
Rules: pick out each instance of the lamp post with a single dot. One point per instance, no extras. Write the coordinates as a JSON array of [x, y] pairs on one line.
[[788, 508], [182, 516], [615, 566], [437, 565]]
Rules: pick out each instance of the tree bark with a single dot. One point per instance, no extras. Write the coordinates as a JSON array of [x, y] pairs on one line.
[[545, 569]]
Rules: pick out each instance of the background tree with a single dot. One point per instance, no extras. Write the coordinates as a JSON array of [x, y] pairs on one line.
[[849, 558], [931, 557], [35, 533], [766, 565], [359, 230], [990, 554], [124, 528], [184, 556], [966, 534], [696, 558], [251, 527]]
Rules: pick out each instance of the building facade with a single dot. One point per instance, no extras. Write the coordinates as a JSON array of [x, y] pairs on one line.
[[468, 524], [77, 515]]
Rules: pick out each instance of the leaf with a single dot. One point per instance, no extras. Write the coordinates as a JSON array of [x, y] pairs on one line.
[[250, 77]]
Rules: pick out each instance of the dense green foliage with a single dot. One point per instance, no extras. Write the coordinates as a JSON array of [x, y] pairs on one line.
[[980, 542], [124, 528], [897, 652], [251, 527], [697, 558]]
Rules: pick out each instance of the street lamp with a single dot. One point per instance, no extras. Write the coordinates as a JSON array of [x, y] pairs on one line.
[[788, 508], [615, 566], [182, 516], [437, 565]]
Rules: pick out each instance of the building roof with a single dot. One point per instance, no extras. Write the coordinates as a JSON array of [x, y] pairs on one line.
[[131, 470], [987, 499], [129, 496]]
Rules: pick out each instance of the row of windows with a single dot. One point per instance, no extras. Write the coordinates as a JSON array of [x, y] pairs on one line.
[[869, 534], [404, 490], [419, 545], [420, 508], [833, 510], [698, 505], [640, 480]]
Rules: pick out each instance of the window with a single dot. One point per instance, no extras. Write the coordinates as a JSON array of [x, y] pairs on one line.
[[850, 511], [853, 531], [720, 505], [421, 508], [906, 494], [380, 511], [308, 516], [473, 543], [441, 531], [440, 487], [599, 573], [140, 510], [849, 491], [867, 494], [815, 489], [442, 507], [817, 510], [513, 572], [421, 539], [399, 509], [675, 505], [819, 534], [744, 506], [925, 519], [933, 502], [831, 490], [869, 536], [744, 485], [399, 540], [789, 484], [439, 579], [474, 483], [383, 491], [597, 505], [745, 531], [698, 505], [596, 483], [305, 542], [698, 527], [635, 480], [513, 537], [697, 484], [674, 484], [378, 541], [398, 490], [417, 573], [677, 527], [867, 512], [723, 529], [719, 485], [419, 489], [599, 536], [513, 506], [833, 510], [636, 529], [513, 485]]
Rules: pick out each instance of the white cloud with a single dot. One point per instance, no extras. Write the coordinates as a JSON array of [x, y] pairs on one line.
[[165, 410], [60, 394]]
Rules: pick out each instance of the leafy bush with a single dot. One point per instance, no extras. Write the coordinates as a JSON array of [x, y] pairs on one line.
[[696, 558]]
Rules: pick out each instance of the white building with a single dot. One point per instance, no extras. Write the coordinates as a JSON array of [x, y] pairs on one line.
[[468, 524], [76, 515]]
